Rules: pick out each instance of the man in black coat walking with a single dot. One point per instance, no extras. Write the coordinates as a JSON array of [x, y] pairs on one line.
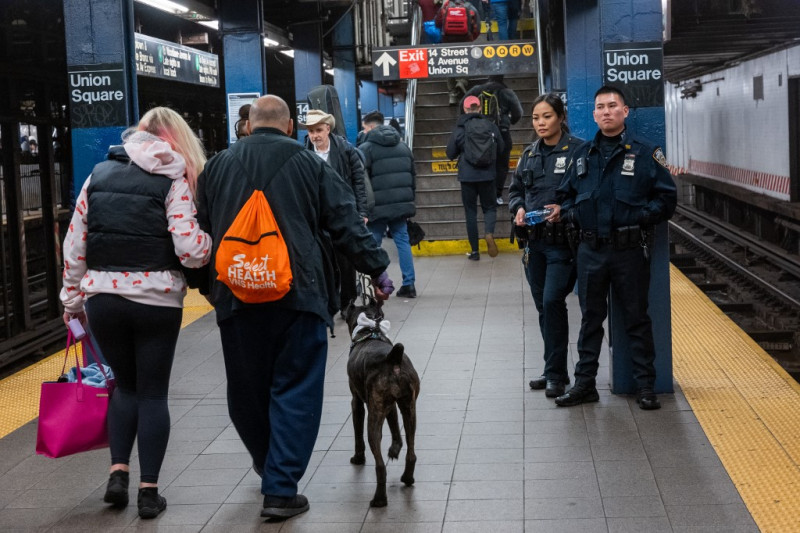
[[508, 113]]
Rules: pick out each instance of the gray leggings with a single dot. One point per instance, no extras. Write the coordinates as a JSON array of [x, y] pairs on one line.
[[138, 341]]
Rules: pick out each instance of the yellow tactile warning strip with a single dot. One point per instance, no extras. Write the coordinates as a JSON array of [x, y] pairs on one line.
[[746, 403], [430, 248], [19, 393]]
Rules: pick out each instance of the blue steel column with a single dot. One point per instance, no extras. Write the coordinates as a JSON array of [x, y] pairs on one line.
[[308, 66], [100, 32], [369, 97], [589, 24], [385, 104], [344, 74], [241, 24]]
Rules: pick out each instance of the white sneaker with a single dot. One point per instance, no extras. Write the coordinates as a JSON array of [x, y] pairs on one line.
[[499, 200]]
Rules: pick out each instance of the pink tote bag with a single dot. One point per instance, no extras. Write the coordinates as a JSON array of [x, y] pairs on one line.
[[72, 416]]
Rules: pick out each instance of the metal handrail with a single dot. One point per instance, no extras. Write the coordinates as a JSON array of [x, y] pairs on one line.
[[411, 89]]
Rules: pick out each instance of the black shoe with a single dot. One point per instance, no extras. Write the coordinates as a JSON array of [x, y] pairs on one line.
[[647, 400], [278, 507], [541, 382], [538, 383], [577, 396], [554, 388], [117, 490], [151, 503], [474, 256], [407, 291]]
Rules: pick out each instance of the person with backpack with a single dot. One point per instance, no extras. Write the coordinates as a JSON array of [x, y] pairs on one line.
[[275, 348], [547, 259], [477, 143], [460, 22], [348, 162], [502, 106]]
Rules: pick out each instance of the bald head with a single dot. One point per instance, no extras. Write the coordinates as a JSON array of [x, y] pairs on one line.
[[270, 112]]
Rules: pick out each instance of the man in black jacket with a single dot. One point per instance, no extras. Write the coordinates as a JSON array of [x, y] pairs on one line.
[[476, 177], [347, 161], [390, 167], [509, 112], [275, 352]]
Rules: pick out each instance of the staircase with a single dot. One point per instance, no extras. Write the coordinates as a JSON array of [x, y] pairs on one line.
[[438, 195]]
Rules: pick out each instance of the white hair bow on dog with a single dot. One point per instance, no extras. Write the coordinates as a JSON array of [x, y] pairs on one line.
[[364, 322]]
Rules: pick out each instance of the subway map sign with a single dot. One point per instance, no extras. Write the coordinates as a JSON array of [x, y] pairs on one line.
[[453, 59]]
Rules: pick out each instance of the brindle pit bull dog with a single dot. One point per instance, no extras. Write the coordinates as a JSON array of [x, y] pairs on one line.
[[381, 376]]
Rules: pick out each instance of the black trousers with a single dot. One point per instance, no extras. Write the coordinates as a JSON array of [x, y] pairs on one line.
[[347, 280], [627, 274], [501, 164], [138, 341]]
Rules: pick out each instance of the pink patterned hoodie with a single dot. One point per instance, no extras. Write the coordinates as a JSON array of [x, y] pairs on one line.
[[165, 288]]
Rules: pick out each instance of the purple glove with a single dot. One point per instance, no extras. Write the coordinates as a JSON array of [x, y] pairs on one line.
[[383, 284]]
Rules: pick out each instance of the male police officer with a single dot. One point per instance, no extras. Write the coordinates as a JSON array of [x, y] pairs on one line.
[[617, 188]]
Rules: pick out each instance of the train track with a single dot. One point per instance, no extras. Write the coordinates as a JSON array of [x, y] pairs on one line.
[[755, 283]]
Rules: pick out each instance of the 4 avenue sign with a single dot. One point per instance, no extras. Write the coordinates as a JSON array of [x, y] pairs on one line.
[[453, 59]]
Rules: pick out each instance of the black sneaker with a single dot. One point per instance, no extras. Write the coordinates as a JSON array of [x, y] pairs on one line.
[[647, 399], [474, 256], [407, 291], [151, 503], [117, 490], [278, 507]]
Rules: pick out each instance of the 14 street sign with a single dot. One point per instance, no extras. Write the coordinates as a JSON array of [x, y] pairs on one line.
[[453, 59]]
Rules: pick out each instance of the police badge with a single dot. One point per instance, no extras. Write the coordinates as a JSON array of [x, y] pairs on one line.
[[658, 155], [561, 165], [628, 164]]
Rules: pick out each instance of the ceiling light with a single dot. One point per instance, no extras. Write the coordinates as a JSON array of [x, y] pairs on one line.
[[329, 71], [165, 5], [269, 42], [213, 24], [289, 53]]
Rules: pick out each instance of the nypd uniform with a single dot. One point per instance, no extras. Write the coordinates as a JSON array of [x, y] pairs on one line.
[[617, 189], [547, 260]]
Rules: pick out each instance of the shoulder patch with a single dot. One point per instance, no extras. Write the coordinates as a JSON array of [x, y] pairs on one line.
[[658, 155]]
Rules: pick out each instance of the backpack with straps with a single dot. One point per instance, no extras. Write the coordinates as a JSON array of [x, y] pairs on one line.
[[490, 107], [480, 143], [252, 259], [455, 19]]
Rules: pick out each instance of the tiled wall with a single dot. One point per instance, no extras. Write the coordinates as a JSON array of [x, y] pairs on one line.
[[725, 133]]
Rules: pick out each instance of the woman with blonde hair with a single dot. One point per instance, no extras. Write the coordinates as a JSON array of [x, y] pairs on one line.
[[132, 232]]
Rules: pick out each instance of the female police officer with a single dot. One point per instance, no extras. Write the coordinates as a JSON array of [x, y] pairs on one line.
[[548, 262]]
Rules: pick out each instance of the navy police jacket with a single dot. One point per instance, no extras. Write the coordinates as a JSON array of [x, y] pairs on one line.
[[538, 176], [633, 187]]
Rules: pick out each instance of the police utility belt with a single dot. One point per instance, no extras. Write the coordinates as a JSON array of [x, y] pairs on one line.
[[549, 233], [623, 238]]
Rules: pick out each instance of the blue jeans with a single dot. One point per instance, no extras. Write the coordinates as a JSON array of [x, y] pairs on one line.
[[399, 232], [500, 14], [275, 386], [551, 275]]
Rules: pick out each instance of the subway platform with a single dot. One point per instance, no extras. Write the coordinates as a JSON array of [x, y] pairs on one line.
[[492, 454]]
